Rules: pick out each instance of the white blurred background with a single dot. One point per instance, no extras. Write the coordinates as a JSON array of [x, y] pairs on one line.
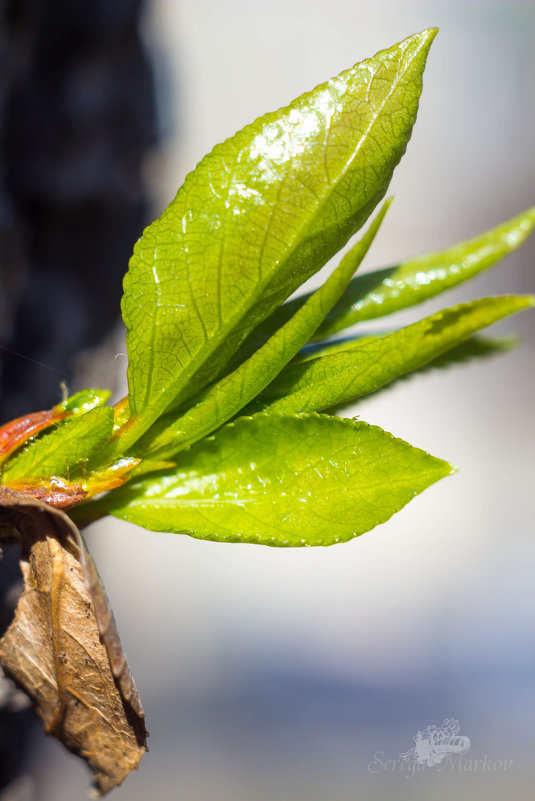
[[270, 675]]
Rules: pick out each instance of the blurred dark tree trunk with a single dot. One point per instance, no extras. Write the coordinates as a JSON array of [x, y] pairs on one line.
[[77, 116]]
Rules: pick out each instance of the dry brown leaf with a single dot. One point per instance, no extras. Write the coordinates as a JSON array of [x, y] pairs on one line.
[[63, 648]]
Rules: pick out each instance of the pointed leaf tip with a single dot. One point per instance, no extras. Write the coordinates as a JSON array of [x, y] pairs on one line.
[[282, 480], [382, 292], [430, 33], [258, 216]]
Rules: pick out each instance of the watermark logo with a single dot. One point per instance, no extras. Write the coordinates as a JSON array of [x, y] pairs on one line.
[[440, 748], [434, 744]]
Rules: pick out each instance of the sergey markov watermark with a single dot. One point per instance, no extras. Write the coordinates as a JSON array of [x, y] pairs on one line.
[[438, 748]]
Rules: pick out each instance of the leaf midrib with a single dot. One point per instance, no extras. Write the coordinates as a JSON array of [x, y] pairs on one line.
[[150, 414]]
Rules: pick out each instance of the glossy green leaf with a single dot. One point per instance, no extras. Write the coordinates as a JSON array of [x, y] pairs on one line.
[[62, 451], [381, 292], [257, 217], [287, 481], [386, 291], [224, 399], [84, 401], [340, 377]]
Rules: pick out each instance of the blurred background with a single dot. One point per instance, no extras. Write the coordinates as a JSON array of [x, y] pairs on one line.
[[269, 675]]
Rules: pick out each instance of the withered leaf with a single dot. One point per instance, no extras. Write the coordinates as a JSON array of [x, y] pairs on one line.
[[63, 648]]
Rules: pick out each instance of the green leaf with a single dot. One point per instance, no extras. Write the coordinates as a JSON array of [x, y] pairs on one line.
[[474, 349], [256, 218], [386, 291], [326, 348], [84, 401], [287, 481], [227, 397], [64, 450], [381, 292], [340, 377]]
